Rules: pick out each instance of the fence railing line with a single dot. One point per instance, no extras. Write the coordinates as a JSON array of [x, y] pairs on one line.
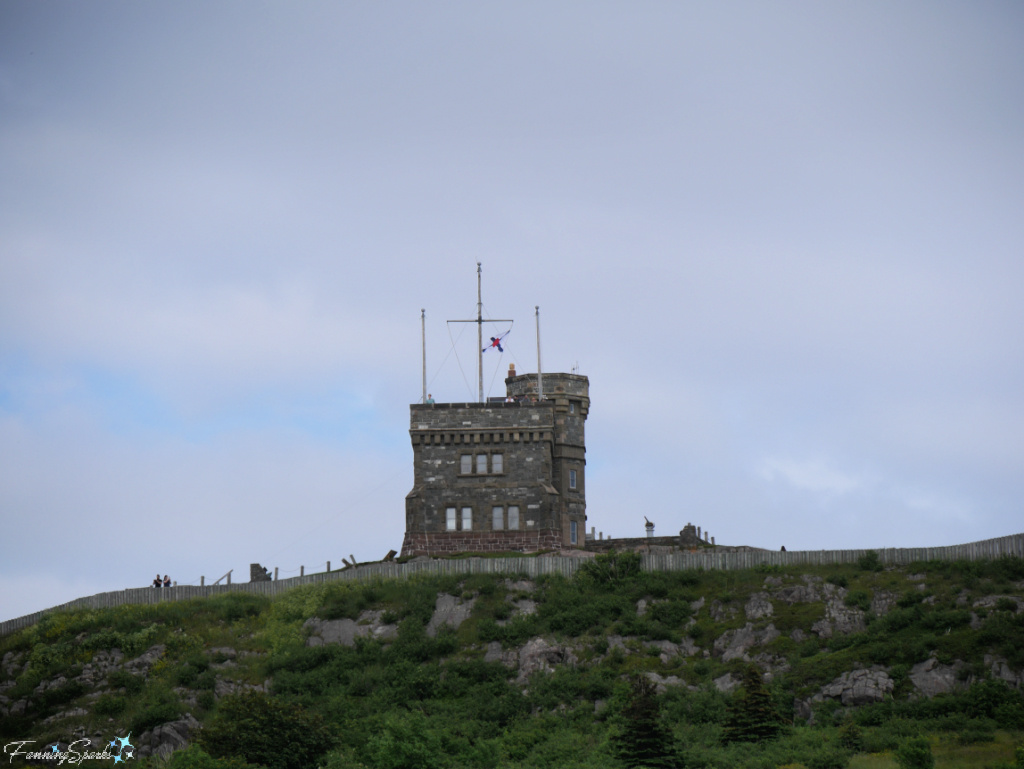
[[1012, 545]]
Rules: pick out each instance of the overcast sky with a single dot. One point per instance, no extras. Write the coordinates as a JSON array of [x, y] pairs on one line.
[[785, 241]]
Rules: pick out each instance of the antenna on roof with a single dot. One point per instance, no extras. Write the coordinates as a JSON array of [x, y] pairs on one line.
[[540, 379]]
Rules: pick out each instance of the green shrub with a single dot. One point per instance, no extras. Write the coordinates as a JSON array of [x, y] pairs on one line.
[[828, 758], [869, 561], [851, 737], [406, 742], [154, 714], [859, 599], [671, 613], [915, 753], [109, 705], [63, 694], [194, 757], [266, 731], [610, 568], [1006, 604]]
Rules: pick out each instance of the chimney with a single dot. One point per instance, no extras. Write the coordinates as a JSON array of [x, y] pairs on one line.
[[511, 370]]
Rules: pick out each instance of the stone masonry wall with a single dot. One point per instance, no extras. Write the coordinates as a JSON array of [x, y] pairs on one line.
[[451, 542], [441, 434]]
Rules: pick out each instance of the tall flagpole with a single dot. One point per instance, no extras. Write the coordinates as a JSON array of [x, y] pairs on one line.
[[479, 334], [423, 331], [540, 379], [479, 320]]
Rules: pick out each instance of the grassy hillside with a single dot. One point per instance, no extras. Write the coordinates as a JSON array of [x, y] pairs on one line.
[[551, 673]]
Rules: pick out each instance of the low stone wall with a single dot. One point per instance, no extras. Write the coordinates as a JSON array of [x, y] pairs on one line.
[[708, 558], [490, 541]]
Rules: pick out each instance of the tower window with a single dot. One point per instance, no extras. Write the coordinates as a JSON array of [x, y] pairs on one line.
[[572, 479], [572, 532], [450, 519]]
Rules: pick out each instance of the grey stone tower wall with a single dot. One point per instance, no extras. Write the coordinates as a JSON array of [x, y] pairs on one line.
[[570, 394], [540, 443], [441, 434]]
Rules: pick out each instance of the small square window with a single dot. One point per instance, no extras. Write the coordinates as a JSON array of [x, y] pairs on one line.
[[467, 518], [450, 519], [498, 518], [481, 464], [497, 463], [467, 464], [513, 517], [572, 479]]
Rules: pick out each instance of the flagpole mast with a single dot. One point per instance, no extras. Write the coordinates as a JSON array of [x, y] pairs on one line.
[[423, 331], [540, 379], [479, 335], [479, 320]]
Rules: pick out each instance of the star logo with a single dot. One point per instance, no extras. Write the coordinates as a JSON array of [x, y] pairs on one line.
[[55, 749], [124, 749]]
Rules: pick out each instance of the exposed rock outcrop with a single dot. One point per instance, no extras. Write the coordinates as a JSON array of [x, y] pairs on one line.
[[734, 644], [727, 683], [759, 605], [538, 654], [449, 610], [839, 618], [346, 631], [931, 678], [495, 653], [1002, 671], [165, 739]]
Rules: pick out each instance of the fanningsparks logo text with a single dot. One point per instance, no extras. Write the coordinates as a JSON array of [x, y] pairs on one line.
[[119, 749]]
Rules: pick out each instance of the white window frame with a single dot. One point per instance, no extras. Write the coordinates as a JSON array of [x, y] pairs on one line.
[[451, 520], [467, 518], [497, 518], [481, 464], [572, 479], [497, 463], [466, 464], [513, 517]]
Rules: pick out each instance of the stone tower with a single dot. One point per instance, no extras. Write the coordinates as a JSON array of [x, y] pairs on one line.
[[506, 475]]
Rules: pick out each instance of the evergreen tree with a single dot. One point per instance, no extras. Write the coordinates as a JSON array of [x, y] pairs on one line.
[[751, 716], [643, 740]]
